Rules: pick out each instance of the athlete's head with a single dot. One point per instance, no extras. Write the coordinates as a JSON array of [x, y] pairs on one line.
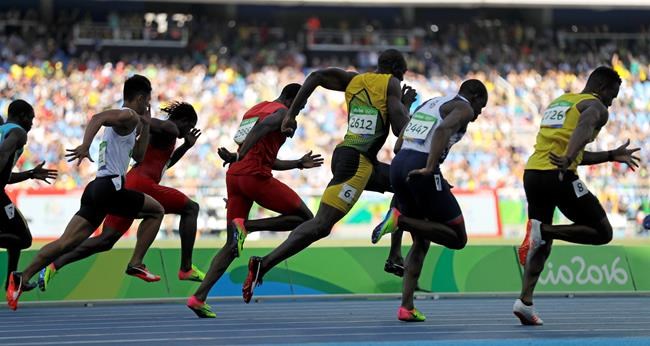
[[21, 113], [393, 62], [604, 82], [183, 115], [289, 93], [137, 93], [475, 92]]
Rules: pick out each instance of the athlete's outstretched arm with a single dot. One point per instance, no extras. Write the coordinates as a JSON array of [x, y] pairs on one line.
[[190, 140], [398, 111], [621, 154], [37, 172], [125, 118], [309, 160], [16, 139], [267, 125], [592, 113], [459, 117], [329, 78]]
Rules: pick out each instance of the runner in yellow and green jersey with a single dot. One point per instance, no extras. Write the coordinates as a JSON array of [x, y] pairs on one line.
[[376, 103], [569, 123]]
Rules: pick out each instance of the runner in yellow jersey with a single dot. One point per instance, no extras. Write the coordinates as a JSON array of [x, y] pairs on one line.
[[376, 103], [568, 124]]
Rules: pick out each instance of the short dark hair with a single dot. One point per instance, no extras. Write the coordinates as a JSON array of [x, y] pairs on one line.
[[603, 76], [180, 110], [19, 109], [390, 58], [136, 85], [473, 87], [290, 91]]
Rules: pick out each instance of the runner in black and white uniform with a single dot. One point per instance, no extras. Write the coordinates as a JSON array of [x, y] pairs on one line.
[[427, 208], [106, 194]]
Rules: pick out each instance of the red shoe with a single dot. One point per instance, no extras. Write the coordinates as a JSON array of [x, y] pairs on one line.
[[525, 245], [14, 290], [532, 241], [140, 271], [253, 278]]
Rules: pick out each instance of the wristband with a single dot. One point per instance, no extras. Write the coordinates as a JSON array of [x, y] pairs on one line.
[[610, 156]]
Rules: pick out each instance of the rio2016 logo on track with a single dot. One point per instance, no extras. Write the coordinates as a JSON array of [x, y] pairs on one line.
[[582, 274]]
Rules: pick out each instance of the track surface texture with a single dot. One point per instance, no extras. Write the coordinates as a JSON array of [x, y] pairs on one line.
[[453, 321]]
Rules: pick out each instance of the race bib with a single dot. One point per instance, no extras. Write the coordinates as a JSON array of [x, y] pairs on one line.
[[438, 181], [363, 120], [420, 126], [117, 182], [10, 210], [555, 115], [101, 161], [348, 193], [579, 188], [244, 129]]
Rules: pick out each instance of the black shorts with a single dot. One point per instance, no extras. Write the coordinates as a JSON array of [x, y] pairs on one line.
[[12, 222], [545, 192], [101, 197], [423, 197], [345, 164]]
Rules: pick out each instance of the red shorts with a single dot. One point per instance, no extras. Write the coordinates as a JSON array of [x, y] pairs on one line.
[[268, 192], [172, 200]]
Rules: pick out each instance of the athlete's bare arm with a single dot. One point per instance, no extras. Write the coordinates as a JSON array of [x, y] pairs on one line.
[[37, 172], [141, 143], [593, 115], [621, 154], [122, 120], [16, 139], [190, 140], [309, 160], [460, 114], [398, 111], [267, 125], [329, 78]]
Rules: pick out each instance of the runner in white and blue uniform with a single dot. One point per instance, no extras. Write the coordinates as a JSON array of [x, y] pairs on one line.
[[106, 194], [426, 206]]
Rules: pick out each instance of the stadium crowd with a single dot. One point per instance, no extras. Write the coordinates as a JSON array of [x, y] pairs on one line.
[[524, 70]]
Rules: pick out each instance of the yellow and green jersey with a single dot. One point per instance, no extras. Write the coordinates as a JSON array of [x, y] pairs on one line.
[[367, 113], [558, 123]]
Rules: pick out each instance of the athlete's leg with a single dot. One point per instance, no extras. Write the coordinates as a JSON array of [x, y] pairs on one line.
[[77, 230], [451, 235], [14, 233], [220, 263], [274, 195], [187, 231], [541, 196], [238, 206], [413, 268], [103, 242], [380, 182], [151, 214], [304, 235]]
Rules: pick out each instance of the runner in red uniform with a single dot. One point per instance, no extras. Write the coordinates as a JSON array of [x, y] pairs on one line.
[[249, 180], [145, 177]]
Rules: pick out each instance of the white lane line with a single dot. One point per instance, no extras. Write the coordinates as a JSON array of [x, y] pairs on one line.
[[142, 321], [189, 328], [338, 335]]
